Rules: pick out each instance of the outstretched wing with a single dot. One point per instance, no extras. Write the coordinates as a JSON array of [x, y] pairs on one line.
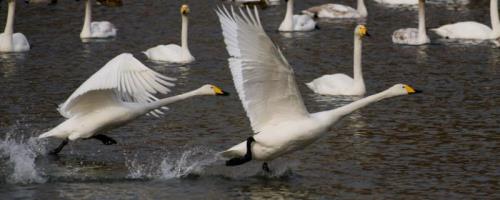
[[263, 78], [122, 79]]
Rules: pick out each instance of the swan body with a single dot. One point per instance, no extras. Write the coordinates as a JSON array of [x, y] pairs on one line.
[[97, 29], [119, 92], [471, 29], [296, 22], [10, 41], [335, 11], [341, 84], [267, 89], [174, 53], [398, 2], [413, 36]]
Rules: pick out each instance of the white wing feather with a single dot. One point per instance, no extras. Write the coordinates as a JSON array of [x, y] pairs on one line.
[[122, 79], [263, 78]]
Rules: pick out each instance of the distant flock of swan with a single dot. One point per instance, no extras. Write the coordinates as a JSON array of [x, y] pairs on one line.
[[124, 88]]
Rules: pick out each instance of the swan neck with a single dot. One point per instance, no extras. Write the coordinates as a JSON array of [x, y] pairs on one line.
[[362, 8], [184, 33], [421, 20], [9, 25], [358, 72], [495, 21], [287, 24], [88, 16], [163, 102], [336, 114]]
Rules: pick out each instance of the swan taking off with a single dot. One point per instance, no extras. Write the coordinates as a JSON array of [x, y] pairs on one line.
[[267, 89], [119, 92], [337, 11], [341, 84], [95, 30], [413, 36], [473, 30], [174, 53], [10, 41], [296, 22]]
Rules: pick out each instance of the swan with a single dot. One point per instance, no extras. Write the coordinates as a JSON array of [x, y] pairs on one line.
[[471, 29], [341, 84], [92, 30], [337, 11], [10, 41], [174, 53], [49, 2], [413, 36], [398, 2], [296, 22], [267, 89], [119, 92]]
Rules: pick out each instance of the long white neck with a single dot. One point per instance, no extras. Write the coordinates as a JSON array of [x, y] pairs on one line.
[[362, 8], [88, 19], [422, 35], [287, 24], [164, 102], [9, 25], [359, 83], [184, 33], [495, 22]]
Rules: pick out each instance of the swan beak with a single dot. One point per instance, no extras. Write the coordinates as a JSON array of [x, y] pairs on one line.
[[410, 90], [220, 92], [367, 34], [185, 9]]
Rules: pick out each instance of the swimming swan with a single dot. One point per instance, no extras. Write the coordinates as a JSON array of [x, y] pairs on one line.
[[413, 36], [10, 41], [174, 53], [335, 11], [341, 84], [296, 22], [471, 29], [398, 2], [267, 89], [119, 92], [93, 30]]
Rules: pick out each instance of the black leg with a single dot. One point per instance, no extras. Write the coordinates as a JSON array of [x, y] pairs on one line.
[[265, 167], [59, 148], [244, 159], [104, 139]]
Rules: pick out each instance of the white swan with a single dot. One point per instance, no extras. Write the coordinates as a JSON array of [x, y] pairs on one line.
[[10, 41], [119, 92], [174, 53], [267, 89], [93, 30], [473, 30], [341, 84], [398, 2], [334, 11], [413, 36], [296, 22]]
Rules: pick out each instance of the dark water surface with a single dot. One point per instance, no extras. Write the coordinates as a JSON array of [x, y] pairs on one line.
[[438, 145]]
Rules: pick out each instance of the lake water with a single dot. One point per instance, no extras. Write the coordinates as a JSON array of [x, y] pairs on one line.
[[442, 144]]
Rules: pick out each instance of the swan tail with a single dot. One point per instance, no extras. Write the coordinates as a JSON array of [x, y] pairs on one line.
[[310, 85], [47, 134]]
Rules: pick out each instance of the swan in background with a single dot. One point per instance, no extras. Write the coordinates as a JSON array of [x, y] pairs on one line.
[[92, 30], [332, 10], [267, 89], [398, 2], [10, 41], [49, 2], [341, 84], [413, 36], [471, 29], [119, 92], [296, 22], [174, 53]]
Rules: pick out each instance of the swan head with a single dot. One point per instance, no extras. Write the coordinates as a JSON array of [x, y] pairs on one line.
[[361, 31], [184, 9], [213, 90], [402, 89]]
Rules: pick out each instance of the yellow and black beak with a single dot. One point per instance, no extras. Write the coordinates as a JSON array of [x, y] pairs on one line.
[[220, 92], [410, 90], [185, 9]]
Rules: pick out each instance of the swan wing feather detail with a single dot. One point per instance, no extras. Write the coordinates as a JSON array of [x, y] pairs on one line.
[[122, 79], [464, 30], [262, 76]]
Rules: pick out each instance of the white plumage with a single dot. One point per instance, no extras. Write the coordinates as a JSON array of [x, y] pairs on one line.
[[97, 29], [10, 41], [413, 36], [398, 2], [293, 22], [337, 11]]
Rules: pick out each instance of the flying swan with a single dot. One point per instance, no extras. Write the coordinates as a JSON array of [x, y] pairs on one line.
[[413, 36], [174, 53], [10, 41], [266, 86], [119, 92], [296, 22], [341, 84], [337, 11], [95, 30], [471, 29]]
